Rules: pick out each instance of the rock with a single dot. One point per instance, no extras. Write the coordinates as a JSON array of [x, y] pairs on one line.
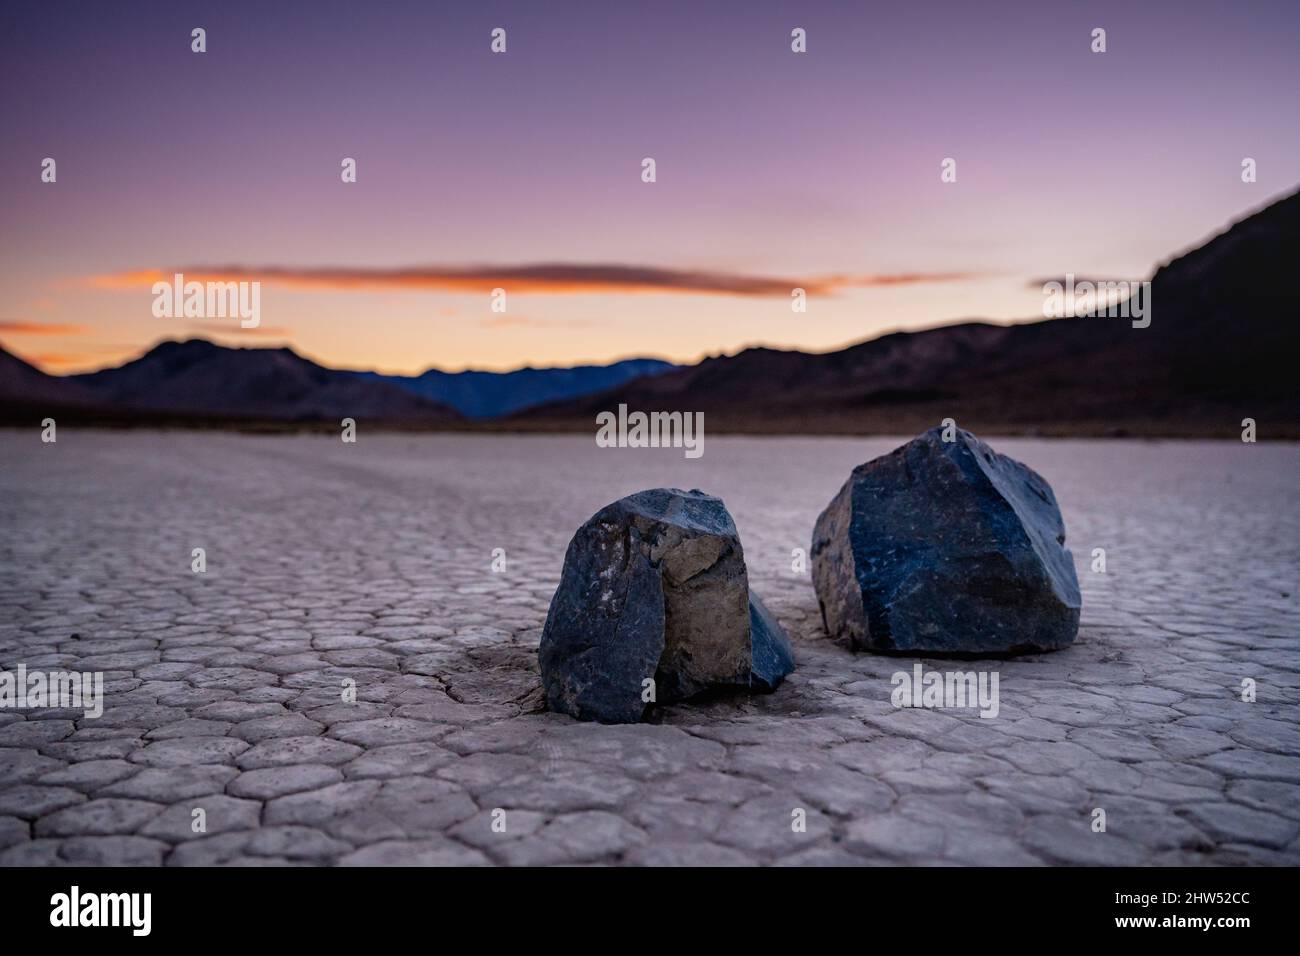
[[654, 586], [772, 657], [945, 547]]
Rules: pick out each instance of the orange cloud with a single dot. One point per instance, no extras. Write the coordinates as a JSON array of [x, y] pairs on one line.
[[78, 361], [46, 360], [903, 278], [19, 327], [545, 278]]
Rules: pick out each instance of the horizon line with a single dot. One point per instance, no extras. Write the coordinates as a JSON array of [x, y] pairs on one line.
[[576, 363]]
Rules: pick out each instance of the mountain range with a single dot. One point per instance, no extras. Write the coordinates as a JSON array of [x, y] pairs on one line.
[[1221, 347], [196, 380], [480, 395]]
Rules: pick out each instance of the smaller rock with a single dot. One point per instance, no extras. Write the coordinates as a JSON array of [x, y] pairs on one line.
[[654, 587]]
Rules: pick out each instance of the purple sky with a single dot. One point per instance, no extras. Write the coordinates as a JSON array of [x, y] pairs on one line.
[[771, 166]]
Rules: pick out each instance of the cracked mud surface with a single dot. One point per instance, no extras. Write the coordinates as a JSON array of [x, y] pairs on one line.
[[372, 562]]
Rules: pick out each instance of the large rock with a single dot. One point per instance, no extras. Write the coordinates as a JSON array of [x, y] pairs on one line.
[[945, 547], [654, 587]]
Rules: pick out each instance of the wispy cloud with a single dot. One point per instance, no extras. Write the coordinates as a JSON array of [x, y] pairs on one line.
[[552, 278], [901, 278], [22, 327], [49, 361]]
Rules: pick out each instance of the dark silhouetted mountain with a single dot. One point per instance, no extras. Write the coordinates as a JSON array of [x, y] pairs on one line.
[[198, 378], [24, 385], [1221, 346], [491, 394]]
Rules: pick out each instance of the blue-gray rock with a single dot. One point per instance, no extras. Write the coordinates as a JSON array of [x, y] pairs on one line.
[[948, 548], [654, 588], [772, 656]]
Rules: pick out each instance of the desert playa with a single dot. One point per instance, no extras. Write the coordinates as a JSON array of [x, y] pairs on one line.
[[374, 562]]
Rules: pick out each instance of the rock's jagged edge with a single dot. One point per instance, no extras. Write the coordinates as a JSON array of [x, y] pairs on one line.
[[772, 657]]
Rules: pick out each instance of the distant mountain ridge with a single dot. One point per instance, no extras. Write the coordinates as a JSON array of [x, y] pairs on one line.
[[198, 379], [477, 394], [22, 384]]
